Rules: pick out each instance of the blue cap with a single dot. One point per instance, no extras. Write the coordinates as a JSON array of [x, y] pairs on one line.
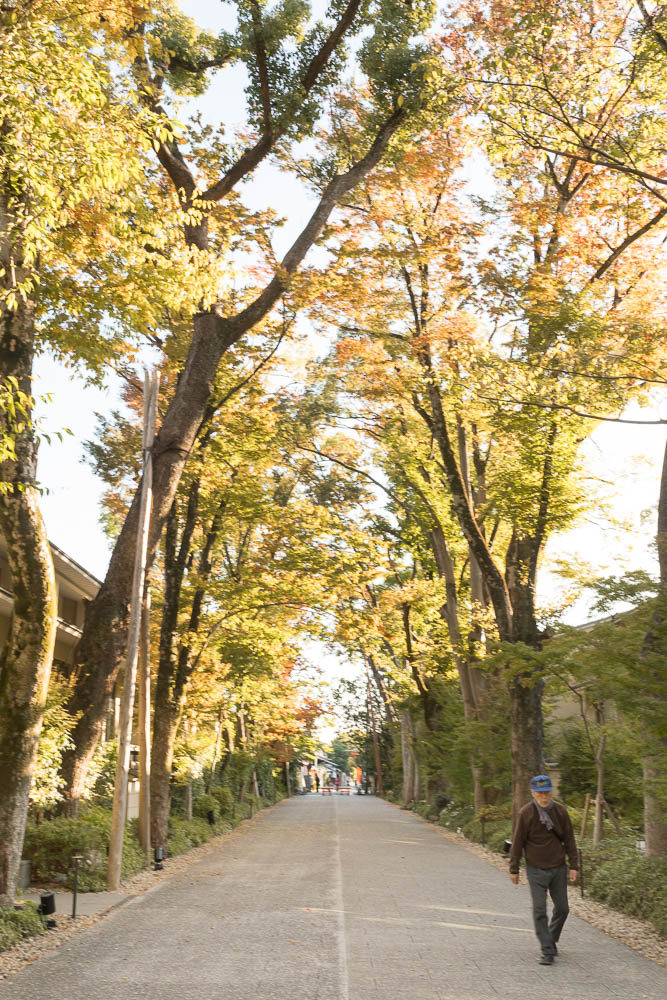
[[541, 783]]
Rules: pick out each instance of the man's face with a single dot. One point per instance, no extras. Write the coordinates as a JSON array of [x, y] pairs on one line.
[[542, 798]]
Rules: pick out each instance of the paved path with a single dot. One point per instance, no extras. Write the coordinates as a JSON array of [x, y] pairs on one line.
[[87, 903], [335, 899]]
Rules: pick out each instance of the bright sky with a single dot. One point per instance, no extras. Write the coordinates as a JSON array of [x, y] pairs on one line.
[[624, 459]]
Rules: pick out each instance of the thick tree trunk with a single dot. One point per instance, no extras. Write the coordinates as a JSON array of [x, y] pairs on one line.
[[410, 790], [527, 741], [25, 664], [470, 678], [167, 710], [654, 653], [165, 726], [102, 646]]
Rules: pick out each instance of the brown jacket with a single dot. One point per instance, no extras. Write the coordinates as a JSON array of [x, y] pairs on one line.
[[544, 848]]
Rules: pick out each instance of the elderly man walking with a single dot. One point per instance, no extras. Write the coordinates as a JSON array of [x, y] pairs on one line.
[[544, 831]]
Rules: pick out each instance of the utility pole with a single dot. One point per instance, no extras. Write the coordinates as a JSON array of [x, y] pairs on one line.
[[127, 707]]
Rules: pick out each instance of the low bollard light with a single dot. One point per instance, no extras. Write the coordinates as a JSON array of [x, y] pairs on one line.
[[47, 907], [159, 859]]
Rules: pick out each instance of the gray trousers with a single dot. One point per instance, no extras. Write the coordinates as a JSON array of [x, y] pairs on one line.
[[553, 881]]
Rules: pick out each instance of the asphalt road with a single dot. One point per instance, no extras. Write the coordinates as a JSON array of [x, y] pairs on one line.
[[335, 899]]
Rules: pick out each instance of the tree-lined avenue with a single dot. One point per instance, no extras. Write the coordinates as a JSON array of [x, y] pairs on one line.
[[335, 898]]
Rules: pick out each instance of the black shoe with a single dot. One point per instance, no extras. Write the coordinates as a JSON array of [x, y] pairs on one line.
[[546, 960]]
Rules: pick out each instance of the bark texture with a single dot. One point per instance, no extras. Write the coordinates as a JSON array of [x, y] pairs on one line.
[[25, 664], [654, 653], [411, 790], [175, 671]]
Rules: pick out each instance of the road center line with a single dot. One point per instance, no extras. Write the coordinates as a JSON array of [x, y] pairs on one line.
[[338, 878]]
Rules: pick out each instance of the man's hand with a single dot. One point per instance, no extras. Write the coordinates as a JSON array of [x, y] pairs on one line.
[[515, 877], [574, 874]]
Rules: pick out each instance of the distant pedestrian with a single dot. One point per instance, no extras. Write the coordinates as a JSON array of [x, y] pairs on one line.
[[544, 831], [317, 783]]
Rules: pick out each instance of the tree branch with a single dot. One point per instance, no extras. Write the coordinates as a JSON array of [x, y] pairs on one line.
[[234, 327], [255, 154]]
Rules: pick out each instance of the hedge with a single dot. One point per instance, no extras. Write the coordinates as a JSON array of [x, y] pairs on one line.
[[18, 924]]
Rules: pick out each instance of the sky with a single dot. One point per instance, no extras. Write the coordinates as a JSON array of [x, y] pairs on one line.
[[624, 460]]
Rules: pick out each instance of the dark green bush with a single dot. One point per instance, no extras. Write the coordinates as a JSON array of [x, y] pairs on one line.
[[427, 810], [18, 924], [498, 834], [185, 834], [204, 804], [455, 815], [616, 873], [225, 800], [50, 845]]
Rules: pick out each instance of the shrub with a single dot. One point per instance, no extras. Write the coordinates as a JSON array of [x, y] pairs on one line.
[[185, 834], [101, 777], [427, 810], [15, 925], [50, 847], [496, 837], [204, 804], [244, 810], [455, 815], [616, 873], [225, 800]]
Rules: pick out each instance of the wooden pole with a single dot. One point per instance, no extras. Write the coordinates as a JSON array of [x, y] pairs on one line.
[[127, 707], [611, 816], [584, 818], [145, 727]]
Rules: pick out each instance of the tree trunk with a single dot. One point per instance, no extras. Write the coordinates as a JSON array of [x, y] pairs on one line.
[[25, 664], [167, 713], [166, 718], [598, 831], [376, 745], [144, 723], [470, 680], [527, 741], [216, 747], [102, 646], [654, 653], [525, 691], [410, 791]]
